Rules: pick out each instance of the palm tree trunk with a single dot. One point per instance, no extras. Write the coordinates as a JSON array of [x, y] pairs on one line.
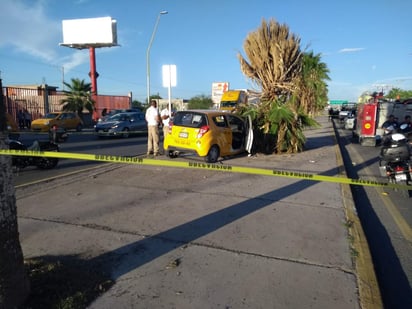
[[14, 283]]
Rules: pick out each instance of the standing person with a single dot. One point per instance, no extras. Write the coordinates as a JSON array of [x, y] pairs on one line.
[[153, 121], [166, 117], [104, 112], [20, 119], [27, 119]]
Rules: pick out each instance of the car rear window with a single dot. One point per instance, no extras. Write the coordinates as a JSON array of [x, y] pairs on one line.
[[189, 119]]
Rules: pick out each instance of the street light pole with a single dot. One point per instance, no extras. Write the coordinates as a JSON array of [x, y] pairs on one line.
[[148, 54]]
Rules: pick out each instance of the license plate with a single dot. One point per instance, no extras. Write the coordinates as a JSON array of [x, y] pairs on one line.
[[183, 134], [400, 177]]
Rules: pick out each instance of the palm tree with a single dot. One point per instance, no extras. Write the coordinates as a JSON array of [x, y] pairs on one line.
[[275, 64], [275, 59], [14, 283], [79, 97], [311, 95]]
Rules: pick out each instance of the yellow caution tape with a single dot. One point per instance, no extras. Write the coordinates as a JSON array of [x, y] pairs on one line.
[[200, 165]]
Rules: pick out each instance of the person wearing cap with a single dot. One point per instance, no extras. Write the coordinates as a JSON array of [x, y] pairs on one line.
[[153, 120]]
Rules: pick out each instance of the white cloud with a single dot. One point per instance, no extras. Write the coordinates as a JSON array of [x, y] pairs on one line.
[[29, 30], [351, 50], [32, 32], [77, 58]]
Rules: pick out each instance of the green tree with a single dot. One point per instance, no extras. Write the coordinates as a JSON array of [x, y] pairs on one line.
[[138, 104], [14, 282], [155, 97], [311, 93], [399, 94], [200, 102], [78, 97], [274, 64]]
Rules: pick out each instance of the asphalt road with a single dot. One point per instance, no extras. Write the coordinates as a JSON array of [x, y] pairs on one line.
[[386, 217], [83, 142]]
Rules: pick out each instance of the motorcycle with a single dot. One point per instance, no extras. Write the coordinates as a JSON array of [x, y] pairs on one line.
[[58, 135], [40, 162], [395, 160]]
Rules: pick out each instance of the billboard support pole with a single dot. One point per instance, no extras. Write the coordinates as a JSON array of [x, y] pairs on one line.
[[93, 77], [93, 73]]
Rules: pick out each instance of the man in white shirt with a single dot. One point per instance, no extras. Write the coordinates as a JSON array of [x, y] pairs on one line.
[[166, 117], [153, 120]]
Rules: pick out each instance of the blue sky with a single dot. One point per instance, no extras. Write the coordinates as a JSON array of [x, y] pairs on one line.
[[366, 44]]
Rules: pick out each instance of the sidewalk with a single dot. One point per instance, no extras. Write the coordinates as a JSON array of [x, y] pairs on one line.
[[181, 238]]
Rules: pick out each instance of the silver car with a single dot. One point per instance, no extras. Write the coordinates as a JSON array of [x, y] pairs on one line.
[[122, 124]]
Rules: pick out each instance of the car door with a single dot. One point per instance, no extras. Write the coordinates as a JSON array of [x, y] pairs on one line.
[[135, 122], [60, 120], [223, 134], [70, 121], [238, 129], [249, 134], [141, 122]]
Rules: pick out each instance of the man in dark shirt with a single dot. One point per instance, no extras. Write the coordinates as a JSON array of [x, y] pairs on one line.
[[390, 122], [407, 122]]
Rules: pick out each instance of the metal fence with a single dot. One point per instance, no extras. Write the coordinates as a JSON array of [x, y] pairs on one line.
[[38, 101]]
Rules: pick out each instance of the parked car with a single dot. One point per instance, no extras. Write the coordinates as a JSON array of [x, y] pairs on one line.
[[208, 133], [65, 120], [118, 111], [122, 124], [350, 121]]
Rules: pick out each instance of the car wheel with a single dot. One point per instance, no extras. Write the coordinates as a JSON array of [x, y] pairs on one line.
[[172, 154], [125, 133], [79, 128], [213, 154], [47, 163]]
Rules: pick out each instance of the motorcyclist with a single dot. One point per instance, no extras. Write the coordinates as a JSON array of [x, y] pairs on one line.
[[57, 134], [391, 122], [406, 125]]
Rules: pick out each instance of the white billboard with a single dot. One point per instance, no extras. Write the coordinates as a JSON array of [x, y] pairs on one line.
[[217, 91], [169, 75], [87, 32]]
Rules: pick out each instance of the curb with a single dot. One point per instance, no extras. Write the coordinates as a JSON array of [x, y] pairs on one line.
[[369, 292]]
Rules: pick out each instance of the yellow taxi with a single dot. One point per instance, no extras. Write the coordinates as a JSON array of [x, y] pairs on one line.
[[65, 120], [208, 133]]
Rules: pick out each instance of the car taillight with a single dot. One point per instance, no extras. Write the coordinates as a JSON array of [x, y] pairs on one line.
[[170, 127], [202, 131], [398, 168]]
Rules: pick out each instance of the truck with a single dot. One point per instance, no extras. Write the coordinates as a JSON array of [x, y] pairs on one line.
[[371, 115], [231, 98]]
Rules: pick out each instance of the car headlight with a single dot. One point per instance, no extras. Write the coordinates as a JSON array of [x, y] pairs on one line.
[[115, 126], [47, 123], [9, 127]]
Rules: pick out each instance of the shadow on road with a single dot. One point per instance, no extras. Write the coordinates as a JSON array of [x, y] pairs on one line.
[[393, 282]]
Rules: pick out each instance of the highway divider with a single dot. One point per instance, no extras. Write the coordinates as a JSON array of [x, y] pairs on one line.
[[206, 166]]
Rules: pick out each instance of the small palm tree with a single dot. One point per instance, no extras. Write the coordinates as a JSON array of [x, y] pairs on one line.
[[79, 97]]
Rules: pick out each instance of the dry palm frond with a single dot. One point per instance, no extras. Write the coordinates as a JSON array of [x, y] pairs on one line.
[[274, 59]]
